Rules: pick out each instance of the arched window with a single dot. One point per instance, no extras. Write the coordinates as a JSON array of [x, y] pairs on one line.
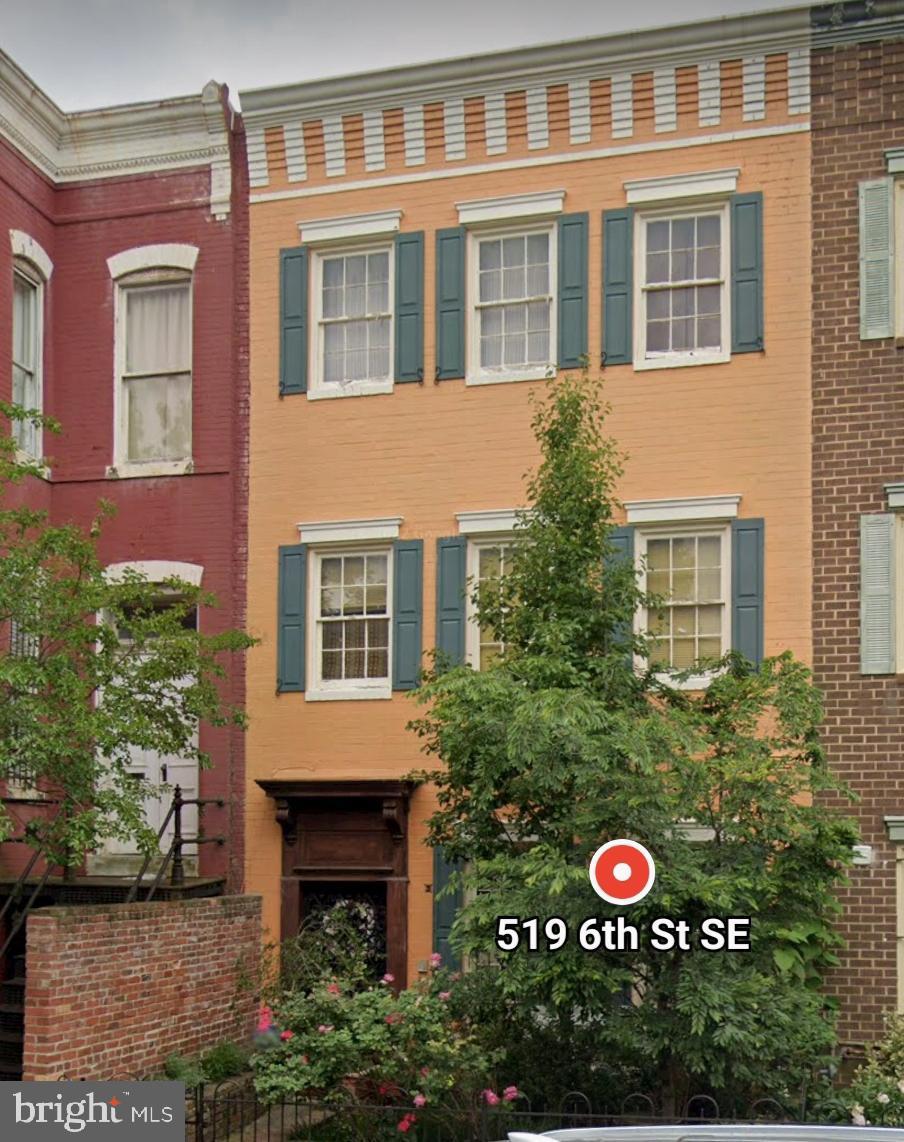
[[153, 359], [31, 272]]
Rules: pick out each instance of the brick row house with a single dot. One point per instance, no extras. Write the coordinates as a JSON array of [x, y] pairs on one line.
[[857, 132], [123, 249], [427, 245]]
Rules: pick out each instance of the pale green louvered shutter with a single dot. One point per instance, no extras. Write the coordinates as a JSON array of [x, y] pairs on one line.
[[877, 593], [877, 258]]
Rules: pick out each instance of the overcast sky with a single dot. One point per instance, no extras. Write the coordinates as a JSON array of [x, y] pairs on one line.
[[88, 53]]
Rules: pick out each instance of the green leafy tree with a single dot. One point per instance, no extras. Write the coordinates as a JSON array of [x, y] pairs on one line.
[[92, 668], [564, 744]]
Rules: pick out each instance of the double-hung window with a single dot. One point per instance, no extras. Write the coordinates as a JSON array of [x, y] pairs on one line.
[[354, 315], [352, 609], [489, 561], [683, 273], [513, 287], [688, 569], [27, 356], [156, 377]]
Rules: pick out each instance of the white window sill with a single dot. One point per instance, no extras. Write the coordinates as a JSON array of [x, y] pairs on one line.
[[24, 458], [541, 374], [132, 471], [680, 361], [695, 682], [352, 389], [348, 695]]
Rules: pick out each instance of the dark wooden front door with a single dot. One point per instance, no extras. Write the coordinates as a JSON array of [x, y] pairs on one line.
[[346, 838]]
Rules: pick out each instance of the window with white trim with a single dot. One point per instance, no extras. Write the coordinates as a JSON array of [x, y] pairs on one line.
[[682, 276], [353, 308], [512, 316], [154, 355], [352, 602], [488, 561], [689, 568], [27, 388]]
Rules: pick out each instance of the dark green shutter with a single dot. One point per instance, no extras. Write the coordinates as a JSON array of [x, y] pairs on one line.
[[746, 272], [451, 584], [445, 907], [408, 559], [450, 303], [573, 230], [409, 294], [747, 587], [293, 320], [621, 540], [618, 286], [292, 593]]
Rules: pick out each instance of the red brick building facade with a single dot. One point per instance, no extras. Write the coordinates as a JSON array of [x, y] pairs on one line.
[[858, 452], [115, 226]]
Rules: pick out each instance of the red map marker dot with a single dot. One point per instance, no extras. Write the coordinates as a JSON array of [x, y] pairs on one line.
[[622, 872]]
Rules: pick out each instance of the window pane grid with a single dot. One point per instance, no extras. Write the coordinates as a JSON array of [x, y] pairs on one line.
[[513, 302], [355, 317], [354, 589], [687, 572], [26, 387], [493, 562], [683, 284]]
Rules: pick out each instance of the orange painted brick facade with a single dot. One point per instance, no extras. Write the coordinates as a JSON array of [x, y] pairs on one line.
[[114, 989], [426, 452]]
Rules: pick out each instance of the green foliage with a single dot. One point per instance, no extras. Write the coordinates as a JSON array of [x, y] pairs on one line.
[[563, 744], [76, 700], [341, 1042], [876, 1094], [222, 1061]]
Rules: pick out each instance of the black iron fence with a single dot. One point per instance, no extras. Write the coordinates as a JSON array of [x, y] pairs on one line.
[[223, 1113]]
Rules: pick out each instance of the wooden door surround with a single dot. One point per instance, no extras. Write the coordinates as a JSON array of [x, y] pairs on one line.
[[346, 831]]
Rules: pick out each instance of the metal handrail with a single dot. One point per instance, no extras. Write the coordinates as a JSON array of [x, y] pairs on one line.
[[174, 852]]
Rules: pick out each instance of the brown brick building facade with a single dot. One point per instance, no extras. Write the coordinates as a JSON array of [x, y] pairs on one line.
[[858, 448]]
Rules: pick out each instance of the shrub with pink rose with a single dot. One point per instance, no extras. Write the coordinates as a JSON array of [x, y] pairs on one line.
[[345, 1043], [876, 1094]]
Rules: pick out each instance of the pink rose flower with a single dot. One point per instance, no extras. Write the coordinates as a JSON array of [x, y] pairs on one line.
[[419, 1100], [395, 1017], [510, 1093], [388, 978], [265, 1022], [334, 989], [407, 1122], [287, 1035], [444, 995], [436, 960], [491, 1098], [425, 1071], [325, 1028]]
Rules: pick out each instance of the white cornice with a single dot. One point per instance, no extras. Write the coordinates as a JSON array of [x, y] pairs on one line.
[[169, 255], [737, 36], [347, 226], [669, 188], [350, 530], [540, 204], [130, 139], [494, 521], [689, 508]]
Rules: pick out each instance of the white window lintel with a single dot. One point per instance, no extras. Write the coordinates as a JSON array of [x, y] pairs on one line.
[[894, 160], [351, 530], [26, 247], [895, 495], [381, 223], [540, 204], [168, 255], [688, 509], [494, 521], [157, 570], [674, 187]]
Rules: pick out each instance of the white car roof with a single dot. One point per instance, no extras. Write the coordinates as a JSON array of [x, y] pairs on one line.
[[721, 1133]]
